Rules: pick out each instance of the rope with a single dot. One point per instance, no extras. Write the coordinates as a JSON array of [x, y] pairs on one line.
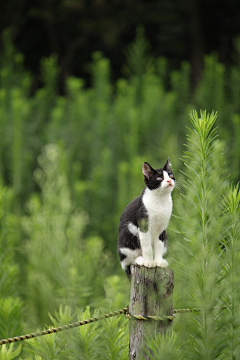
[[180, 311], [142, 317], [61, 328], [91, 320]]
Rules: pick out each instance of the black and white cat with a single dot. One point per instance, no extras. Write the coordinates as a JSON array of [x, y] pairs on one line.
[[142, 228]]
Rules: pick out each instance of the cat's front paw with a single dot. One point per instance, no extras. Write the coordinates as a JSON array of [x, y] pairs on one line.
[[139, 261], [150, 263], [162, 263]]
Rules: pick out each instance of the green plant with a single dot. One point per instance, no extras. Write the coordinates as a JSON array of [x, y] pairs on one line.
[[10, 303], [10, 352], [164, 346], [62, 267], [231, 298]]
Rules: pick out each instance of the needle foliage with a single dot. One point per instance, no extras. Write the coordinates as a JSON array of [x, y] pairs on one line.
[[69, 164]]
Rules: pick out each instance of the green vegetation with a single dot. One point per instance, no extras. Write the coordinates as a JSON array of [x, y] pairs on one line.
[[70, 163]]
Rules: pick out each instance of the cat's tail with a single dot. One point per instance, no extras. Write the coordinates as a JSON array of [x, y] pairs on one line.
[[128, 272]]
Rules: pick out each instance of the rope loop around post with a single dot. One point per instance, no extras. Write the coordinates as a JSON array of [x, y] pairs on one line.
[[142, 317]]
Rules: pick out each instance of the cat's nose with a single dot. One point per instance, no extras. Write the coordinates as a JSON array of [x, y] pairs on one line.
[[169, 181]]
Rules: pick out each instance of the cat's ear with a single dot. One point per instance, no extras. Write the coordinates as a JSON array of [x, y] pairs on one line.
[[147, 170], [168, 165]]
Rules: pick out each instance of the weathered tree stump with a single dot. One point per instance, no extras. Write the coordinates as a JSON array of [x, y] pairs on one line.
[[151, 295]]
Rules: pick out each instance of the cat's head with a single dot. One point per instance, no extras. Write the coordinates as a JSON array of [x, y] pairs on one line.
[[159, 178]]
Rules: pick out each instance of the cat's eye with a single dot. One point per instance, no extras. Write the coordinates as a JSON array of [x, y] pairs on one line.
[[171, 176], [159, 178]]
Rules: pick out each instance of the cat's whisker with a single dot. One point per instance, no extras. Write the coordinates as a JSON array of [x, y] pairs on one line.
[[179, 187]]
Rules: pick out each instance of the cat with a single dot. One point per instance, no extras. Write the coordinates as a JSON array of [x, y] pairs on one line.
[[142, 227]]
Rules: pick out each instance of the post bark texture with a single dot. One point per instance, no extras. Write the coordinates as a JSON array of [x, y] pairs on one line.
[[151, 295]]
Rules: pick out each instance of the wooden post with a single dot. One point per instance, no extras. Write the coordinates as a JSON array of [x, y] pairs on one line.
[[151, 295]]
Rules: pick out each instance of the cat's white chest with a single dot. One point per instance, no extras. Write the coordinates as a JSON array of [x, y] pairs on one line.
[[159, 209]]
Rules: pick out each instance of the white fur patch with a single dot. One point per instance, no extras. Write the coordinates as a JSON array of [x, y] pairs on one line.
[[158, 204], [167, 181], [133, 229], [131, 255], [159, 207]]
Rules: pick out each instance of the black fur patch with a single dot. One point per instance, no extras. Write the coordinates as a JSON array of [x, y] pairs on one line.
[[133, 213], [163, 236]]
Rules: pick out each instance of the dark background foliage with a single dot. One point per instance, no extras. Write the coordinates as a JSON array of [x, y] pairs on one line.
[[74, 29]]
